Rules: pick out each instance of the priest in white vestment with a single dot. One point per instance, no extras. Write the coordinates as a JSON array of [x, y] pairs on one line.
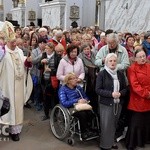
[[13, 84]]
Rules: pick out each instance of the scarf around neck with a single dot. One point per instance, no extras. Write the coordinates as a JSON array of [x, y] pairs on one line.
[[50, 56], [88, 55], [116, 83]]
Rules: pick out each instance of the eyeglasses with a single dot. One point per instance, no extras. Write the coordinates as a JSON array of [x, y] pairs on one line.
[[112, 43], [140, 57], [73, 78]]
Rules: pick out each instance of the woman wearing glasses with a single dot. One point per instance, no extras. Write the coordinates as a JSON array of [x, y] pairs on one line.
[[69, 95], [138, 132]]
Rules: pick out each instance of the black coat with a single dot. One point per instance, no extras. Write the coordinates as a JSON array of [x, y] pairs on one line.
[[104, 87], [57, 59]]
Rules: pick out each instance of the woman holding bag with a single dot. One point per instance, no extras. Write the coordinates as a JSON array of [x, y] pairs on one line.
[[71, 94], [48, 66]]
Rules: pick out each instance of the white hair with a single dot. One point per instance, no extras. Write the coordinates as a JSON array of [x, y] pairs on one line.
[[59, 33], [42, 29], [112, 36], [109, 56]]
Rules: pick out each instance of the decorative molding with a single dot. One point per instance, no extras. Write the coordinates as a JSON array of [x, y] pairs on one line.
[[1, 7], [21, 1], [15, 3], [74, 12], [31, 15], [9, 16]]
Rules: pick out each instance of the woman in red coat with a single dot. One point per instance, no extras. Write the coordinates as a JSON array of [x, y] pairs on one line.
[[139, 79]]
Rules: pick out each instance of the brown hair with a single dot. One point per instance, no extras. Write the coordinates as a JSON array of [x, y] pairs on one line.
[[70, 48], [83, 46]]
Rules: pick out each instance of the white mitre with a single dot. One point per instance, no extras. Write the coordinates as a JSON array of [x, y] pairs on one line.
[[7, 29]]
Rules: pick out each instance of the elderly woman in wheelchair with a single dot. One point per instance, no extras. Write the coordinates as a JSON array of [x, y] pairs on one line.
[[72, 97]]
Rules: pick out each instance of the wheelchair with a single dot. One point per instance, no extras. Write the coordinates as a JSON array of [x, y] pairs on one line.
[[66, 126]]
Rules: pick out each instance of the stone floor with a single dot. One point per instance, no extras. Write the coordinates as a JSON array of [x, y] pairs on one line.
[[36, 135]]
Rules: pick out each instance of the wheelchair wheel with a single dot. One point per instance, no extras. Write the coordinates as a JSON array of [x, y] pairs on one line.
[[70, 141], [60, 122]]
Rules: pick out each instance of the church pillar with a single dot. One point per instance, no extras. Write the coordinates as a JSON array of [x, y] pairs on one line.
[[102, 15], [18, 13], [53, 13]]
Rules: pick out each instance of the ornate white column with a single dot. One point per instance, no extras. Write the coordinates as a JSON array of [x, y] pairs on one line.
[[18, 13], [1, 11], [1, 2], [102, 15], [53, 13]]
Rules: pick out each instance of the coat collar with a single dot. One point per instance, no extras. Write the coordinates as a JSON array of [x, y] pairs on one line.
[[119, 49], [11, 51]]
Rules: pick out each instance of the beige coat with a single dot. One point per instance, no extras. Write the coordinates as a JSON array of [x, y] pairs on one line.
[[12, 82]]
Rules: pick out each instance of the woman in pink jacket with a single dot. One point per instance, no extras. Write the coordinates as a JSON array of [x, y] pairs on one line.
[[71, 63]]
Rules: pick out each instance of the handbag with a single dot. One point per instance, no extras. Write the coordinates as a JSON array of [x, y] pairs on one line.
[[5, 106], [54, 82], [82, 106]]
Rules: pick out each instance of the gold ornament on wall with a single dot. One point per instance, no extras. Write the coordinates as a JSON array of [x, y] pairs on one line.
[[9, 16], [74, 12], [31, 15], [21, 1]]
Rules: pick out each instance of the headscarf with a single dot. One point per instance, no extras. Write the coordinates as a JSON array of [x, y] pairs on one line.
[[116, 83], [113, 74]]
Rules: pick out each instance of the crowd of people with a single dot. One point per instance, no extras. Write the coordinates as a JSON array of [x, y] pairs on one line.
[[114, 65]]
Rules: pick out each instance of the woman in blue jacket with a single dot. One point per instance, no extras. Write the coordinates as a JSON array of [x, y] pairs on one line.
[[69, 95]]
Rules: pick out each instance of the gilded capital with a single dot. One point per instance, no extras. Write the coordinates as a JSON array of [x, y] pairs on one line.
[[21, 1]]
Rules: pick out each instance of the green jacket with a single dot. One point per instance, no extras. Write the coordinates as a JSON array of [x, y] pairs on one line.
[[123, 59]]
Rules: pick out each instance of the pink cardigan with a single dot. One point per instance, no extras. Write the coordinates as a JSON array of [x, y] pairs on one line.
[[65, 67]]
